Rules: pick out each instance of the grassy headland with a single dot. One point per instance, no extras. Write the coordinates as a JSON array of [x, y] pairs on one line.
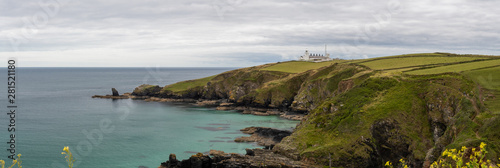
[[362, 113]]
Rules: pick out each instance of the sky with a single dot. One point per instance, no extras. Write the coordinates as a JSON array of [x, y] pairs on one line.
[[238, 33]]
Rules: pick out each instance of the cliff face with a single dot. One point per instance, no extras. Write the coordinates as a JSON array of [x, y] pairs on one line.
[[325, 83], [357, 117]]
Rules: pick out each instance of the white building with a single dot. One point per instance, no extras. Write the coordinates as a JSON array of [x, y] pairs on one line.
[[315, 57]]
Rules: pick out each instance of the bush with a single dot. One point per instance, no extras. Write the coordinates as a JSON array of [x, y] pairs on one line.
[[463, 158]]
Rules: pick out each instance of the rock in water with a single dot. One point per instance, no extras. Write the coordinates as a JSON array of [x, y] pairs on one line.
[[115, 92]]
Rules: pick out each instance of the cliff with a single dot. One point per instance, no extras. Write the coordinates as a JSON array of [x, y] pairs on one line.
[[362, 113]]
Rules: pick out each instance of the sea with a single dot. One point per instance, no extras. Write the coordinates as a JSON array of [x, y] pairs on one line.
[[55, 108]]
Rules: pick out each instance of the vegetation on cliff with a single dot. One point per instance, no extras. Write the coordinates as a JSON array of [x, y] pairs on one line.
[[363, 113]]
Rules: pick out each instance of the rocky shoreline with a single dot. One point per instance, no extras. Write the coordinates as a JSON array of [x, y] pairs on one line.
[[264, 136], [222, 104], [253, 158]]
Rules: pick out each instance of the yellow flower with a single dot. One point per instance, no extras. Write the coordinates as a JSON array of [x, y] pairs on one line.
[[14, 161], [18, 155], [464, 148], [387, 163], [66, 148], [482, 145]]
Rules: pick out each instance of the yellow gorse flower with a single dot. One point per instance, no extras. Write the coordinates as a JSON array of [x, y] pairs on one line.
[[459, 159], [17, 161], [66, 149], [482, 145], [69, 156]]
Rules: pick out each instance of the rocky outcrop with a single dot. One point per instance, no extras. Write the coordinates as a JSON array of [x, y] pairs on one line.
[[264, 136], [114, 95], [253, 159], [390, 143], [115, 92]]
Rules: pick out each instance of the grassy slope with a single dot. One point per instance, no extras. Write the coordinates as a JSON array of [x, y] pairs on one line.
[[488, 78], [185, 85]]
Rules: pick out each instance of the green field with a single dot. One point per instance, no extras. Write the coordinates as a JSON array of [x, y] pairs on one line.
[[400, 56], [394, 63], [298, 66], [456, 67], [488, 77]]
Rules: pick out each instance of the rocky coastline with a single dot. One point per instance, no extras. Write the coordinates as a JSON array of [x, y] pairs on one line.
[[253, 158], [221, 104], [267, 137]]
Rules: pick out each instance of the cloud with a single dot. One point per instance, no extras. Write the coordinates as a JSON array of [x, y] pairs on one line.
[[238, 33]]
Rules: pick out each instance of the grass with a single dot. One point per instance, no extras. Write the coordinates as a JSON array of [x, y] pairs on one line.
[[185, 85], [298, 66], [488, 77], [456, 67], [394, 63]]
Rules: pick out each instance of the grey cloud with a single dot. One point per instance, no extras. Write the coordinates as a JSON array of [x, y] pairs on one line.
[[229, 30]]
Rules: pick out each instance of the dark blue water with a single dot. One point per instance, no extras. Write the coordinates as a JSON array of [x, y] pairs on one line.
[[55, 109]]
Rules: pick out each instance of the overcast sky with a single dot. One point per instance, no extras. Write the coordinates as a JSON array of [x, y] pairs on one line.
[[238, 33]]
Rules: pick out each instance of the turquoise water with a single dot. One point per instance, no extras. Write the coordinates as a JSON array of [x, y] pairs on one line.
[[55, 109]]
